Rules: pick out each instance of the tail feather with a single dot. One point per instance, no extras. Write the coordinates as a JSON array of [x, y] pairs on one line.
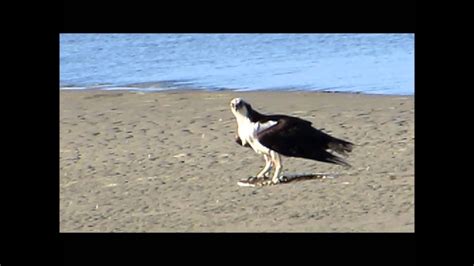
[[325, 156], [340, 146], [337, 160]]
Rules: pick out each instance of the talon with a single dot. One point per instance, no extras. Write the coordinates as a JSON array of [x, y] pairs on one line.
[[250, 178]]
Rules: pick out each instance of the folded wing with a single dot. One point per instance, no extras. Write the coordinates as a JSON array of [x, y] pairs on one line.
[[295, 137]]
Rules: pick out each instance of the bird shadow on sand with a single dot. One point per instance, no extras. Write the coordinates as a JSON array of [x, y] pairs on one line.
[[285, 179]]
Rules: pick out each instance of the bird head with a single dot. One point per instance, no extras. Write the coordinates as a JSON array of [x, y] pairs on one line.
[[239, 107]]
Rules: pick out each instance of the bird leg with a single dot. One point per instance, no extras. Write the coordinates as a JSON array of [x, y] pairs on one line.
[[267, 168], [275, 157]]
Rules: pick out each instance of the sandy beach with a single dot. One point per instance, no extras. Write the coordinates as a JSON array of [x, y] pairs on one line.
[[167, 162]]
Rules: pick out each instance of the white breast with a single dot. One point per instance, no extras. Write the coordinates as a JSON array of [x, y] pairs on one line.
[[248, 134]]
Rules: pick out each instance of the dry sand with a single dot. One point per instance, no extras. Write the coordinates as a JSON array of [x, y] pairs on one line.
[[167, 162]]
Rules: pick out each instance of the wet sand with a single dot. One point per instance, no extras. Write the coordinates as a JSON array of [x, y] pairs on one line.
[[167, 162]]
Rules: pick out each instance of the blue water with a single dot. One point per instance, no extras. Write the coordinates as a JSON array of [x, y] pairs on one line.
[[364, 63]]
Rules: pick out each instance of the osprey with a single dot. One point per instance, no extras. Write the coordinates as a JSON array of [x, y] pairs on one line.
[[276, 135]]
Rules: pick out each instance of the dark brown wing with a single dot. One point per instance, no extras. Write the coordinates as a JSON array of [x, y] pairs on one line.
[[296, 137]]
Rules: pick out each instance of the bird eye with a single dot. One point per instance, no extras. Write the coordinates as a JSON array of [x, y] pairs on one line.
[[232, 104]]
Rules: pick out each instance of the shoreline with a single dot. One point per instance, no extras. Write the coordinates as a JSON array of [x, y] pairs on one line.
[[184, 90], [167, 162]]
